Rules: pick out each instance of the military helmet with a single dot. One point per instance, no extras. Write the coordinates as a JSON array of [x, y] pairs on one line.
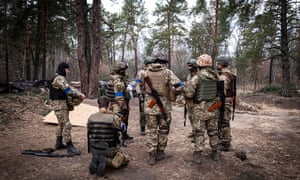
[[119, 66], [160, 58], [148, 60], [223, 60], [204, 60], [192, 63]]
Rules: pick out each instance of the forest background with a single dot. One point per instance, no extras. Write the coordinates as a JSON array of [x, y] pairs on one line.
[[35, 35]]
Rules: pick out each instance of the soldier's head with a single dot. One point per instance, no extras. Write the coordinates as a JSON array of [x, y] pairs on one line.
[[148, 60], [222, 61], [63, 68], [192, 64], [161, 58], [120, 68], [204, 60]]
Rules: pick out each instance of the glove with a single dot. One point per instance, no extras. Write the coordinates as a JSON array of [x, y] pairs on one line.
[[123, 127]]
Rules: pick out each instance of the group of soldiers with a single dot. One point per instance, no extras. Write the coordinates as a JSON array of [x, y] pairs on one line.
[[207, 100]]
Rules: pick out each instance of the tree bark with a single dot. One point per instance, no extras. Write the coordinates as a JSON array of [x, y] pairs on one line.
[[285, 50], [96, 50], [83, 49]]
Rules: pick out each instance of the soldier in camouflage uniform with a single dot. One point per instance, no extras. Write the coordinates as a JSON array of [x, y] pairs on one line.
[[103, 139], [158, 123], [193, 68], [118, 94], [140, 89], [202, 88], [60, 93], [228, 77]]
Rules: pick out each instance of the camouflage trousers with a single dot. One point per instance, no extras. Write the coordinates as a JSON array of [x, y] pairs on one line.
[[205, 121], [64, 126], [225, 136], [157, 132], [191, 117], [142, 114]]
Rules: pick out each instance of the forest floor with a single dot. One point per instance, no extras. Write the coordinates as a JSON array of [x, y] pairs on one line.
[[266, 128]]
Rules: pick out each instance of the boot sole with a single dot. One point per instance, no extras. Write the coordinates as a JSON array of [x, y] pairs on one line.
[[101, 166]]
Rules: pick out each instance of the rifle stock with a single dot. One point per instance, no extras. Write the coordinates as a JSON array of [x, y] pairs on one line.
[[155, 95]]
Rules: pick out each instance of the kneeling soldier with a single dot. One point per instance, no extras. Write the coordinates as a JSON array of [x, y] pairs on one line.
[[104, 143]]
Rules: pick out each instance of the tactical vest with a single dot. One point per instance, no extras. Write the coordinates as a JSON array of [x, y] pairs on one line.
[[109, 91], [206, 89], [100, 129], [158, 81], [230, 90], [56, 93]]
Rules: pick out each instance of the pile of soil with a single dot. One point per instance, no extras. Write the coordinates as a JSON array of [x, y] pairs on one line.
[[268, 133]]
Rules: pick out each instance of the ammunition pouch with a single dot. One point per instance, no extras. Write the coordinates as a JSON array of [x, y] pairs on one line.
[[118, 160], [73, 101]]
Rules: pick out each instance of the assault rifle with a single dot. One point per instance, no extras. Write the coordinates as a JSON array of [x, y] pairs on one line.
[[234, 97], [156, 99], [49, 152], [184, 115], [219, 105]]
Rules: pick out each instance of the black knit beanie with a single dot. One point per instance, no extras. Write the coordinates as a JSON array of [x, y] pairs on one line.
[[61, 68]]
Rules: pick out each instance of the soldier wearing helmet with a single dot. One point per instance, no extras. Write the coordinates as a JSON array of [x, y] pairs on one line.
[[117, 93], [140, 89], [201, 89], [193, 68], [158, 81], [228, 77]]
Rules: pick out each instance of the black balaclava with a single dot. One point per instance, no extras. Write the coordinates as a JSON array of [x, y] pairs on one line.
[[61, 68]]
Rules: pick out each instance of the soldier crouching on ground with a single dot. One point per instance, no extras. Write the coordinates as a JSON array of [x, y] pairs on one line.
[[202, 88], [103, 139], [63, 98]]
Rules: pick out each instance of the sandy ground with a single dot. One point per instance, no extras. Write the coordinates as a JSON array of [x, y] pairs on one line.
[[268, 130]]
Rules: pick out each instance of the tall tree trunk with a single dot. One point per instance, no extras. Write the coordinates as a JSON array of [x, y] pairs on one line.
[[169, 38], [83, 50], [44, 62], [27, 48], [215, 33], [124, 43], [36, 62], [96, 51], [6, 42], [271, 71], [284, 50]]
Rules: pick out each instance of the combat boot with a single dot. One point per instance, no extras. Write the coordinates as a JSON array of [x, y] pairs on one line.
[[224, 147], [127, 137], [160, 155], [142, 133], [152, 159], [94, 164], [72, 149], [215, 155], [101, 165], [59, 144], [197, 157]]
